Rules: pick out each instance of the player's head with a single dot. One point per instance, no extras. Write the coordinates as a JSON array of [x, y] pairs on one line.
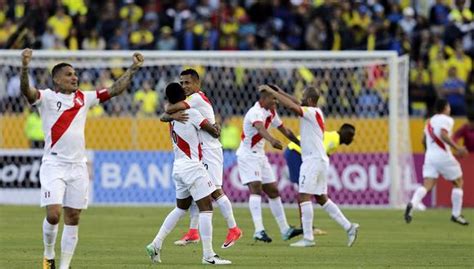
[[442, 107], [311, 96], [175, 93], [347, 133], [64, 78], [267, 100], [189, 79]]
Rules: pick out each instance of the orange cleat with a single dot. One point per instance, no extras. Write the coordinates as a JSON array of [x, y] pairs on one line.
[[233, 235]]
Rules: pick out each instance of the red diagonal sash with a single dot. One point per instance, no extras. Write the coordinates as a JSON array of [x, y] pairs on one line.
[[434, 137], [66, 118]]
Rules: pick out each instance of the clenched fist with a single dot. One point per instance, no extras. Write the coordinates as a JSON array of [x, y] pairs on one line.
[[138, 59], [26, 56]]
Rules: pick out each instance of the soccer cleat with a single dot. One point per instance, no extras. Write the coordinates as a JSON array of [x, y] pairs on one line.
[[291, 232], [48, 264], [262, 236], [154, 253], [233, 235], [303, 243], [352, 234], [192, 236], [216, 260], [408, 213], [460, 219]]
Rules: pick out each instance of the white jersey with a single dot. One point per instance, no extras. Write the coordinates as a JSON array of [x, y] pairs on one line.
[[186, 143], [64, 119], [201, 103], [312, 133], [252, 141], [436, 148]]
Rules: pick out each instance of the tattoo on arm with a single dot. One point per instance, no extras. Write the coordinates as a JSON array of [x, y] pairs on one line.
[[29, 93], [123, 82]]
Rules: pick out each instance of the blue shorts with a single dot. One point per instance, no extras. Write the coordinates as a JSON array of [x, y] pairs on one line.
[[293, 160]]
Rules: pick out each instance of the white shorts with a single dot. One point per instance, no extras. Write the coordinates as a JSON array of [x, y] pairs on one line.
[[255, 168], [449, 168], [213, 161], [313, 176], [192, 181], [64, 183]]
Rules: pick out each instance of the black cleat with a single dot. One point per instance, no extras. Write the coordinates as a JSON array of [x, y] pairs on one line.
[[460, 219], [262, 236], [408, 213], [48, 264], [292, 232]]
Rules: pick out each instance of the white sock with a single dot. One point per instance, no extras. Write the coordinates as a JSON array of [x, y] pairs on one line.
[[50, 233], [226, 209], [68, 244], [307, 215], [194, 216], [168, 225], [255, 205], [336, 214], [205, 230], [456, 200], [418, 195], [279, 214]]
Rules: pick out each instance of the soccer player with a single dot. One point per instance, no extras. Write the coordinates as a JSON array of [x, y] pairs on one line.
[[213, 159], [440, 161], [313, 172], [63, 174], [332, 140], [254, 168], [191, 179]]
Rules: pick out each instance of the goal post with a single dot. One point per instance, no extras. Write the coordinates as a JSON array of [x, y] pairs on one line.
[[132, 156]]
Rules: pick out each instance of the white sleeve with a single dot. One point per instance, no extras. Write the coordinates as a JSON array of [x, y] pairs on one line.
[[91, 98], [194, 101], [255, 116], [41, 98], [309, 113], [276, 122], [196, 118]]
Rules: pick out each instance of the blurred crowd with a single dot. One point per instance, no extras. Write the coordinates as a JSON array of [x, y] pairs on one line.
[[436, 34]]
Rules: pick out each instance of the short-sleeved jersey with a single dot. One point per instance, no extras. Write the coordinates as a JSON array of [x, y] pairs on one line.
[[252, 141], [436, 148], [312, 133], [201, 103], [64, 119], [186, 143]]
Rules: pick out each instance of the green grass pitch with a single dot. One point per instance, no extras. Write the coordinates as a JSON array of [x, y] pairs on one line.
[[115, 237]]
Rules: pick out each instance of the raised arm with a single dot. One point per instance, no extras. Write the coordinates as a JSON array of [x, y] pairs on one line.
[[279, 90], [267, 136], [284, 100], [289, 134], [123, 82], [31, 93], [173, 108], [460, 150]]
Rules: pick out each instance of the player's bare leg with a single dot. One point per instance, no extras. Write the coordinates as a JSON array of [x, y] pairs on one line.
[[276, 206], [456, 200], [70, 236], [50, 232], [418, 195]]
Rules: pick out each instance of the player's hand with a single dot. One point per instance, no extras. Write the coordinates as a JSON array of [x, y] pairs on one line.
[[26, 56], [180, 116], [265, 88], [277, 144], [138, 60], [218, 128], [461, 152]]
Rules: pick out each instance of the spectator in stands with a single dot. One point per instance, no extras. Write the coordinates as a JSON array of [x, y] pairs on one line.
[[453, 90], [93, 41], [146, 100], [61, 23], [421, 94], [466, 132], [72, 41], [34, 130], [461, 62], [439, 13], [142, 38], [166, 41], [369, 104], [131, 12]]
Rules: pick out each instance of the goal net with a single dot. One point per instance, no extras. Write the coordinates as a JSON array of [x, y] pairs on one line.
[[130, 149]]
